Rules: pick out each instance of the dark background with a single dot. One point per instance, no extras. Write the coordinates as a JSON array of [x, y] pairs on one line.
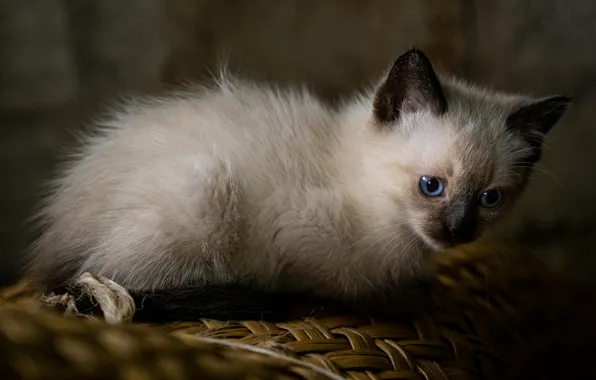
[[61, 61]]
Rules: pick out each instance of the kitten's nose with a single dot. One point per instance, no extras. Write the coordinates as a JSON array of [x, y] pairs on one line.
[[460, 233]]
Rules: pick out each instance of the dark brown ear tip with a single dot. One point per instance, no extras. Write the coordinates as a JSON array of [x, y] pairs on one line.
[[413, 53], [562, 100], [561, 103]]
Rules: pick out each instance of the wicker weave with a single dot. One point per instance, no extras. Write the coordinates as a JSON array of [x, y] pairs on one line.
[[46, 346], [495, 316]]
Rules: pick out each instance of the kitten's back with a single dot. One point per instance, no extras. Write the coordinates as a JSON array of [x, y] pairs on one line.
[[159, 183]]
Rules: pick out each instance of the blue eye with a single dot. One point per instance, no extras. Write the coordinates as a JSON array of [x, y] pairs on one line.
[[491, 198], [431, 186]]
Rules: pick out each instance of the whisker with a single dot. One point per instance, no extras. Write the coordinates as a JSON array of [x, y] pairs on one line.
[[525, 247], [373, 232], [389, 242], [368, 248], [389, 254], [399, 235], [541, 170]]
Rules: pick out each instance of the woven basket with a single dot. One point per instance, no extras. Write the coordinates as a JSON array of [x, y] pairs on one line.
[[496, 314]]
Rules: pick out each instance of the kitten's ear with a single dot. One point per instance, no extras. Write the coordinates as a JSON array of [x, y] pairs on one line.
[[536, 119], [539, 116], [411, 85]]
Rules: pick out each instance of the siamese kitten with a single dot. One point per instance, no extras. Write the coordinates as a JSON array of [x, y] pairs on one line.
[[271, 190]]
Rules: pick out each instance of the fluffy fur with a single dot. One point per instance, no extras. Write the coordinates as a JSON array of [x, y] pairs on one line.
[[271, 189]]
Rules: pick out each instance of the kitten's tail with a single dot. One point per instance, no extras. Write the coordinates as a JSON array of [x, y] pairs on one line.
[[235, 303], [221, 303], [207, 302]]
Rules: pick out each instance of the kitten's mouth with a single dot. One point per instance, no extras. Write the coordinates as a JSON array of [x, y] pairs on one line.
[[442, 241]]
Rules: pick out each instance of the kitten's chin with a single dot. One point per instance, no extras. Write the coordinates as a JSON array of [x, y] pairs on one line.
[[433, 244], [437, 246]]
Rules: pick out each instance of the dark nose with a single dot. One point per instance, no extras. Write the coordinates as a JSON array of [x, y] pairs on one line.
[[460, 229], [460, 221], [460, 234]]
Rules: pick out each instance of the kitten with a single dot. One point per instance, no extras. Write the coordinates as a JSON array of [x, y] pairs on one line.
[[271, 190]]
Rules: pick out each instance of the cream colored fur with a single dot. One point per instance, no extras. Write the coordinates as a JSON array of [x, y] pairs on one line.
[[267, 187]]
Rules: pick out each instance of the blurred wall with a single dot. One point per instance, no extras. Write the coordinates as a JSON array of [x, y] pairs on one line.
[[61, 61]]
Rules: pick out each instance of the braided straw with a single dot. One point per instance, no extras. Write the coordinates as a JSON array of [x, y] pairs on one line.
[[37, 345], [497, 314]]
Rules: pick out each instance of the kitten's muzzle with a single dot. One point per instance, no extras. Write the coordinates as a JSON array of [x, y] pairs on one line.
[[460, 223]]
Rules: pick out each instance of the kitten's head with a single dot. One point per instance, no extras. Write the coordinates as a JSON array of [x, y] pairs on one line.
[[455, 157]]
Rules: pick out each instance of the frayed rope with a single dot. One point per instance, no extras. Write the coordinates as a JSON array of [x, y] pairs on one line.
[[114, 301]]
